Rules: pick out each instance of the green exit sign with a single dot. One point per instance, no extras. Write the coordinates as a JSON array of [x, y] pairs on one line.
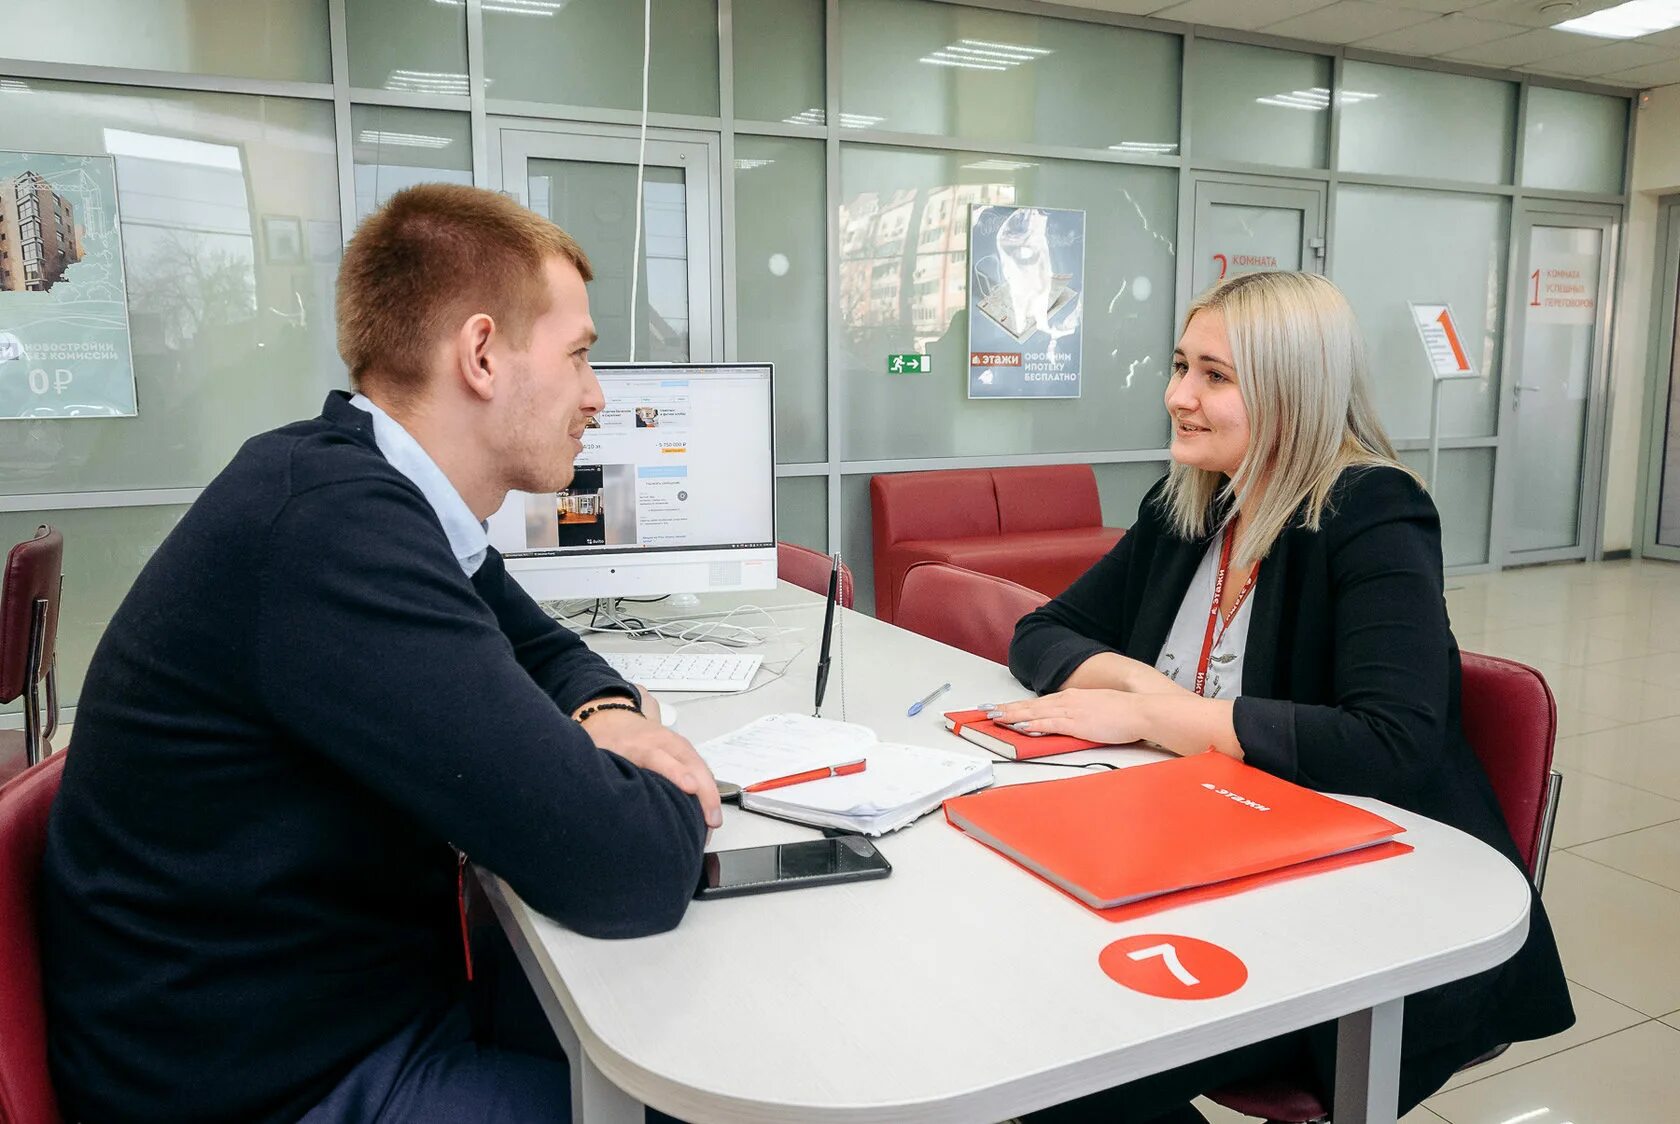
[[909, 364]]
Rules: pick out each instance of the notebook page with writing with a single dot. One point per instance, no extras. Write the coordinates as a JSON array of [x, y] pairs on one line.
[[785, 745], [902, 783]]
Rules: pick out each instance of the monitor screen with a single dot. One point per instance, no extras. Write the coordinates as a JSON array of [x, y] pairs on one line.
[[681, 461]]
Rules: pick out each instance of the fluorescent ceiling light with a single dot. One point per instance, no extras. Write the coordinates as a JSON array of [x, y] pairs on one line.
[[427, 82], [817, 117], [999, 165], [516, 7], [407, 140], [1317, 98], [1015, 47], [1144, 148], [984, 54], [748, 165], [939, 58], [176, 150], [12, 86], [1626, 21]]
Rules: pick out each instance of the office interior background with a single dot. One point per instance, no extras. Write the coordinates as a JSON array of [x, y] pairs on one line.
[[809, 169]]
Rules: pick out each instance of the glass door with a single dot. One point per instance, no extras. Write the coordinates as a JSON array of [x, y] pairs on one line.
[[1553, 384], [1244, 227], [1662, 466], [586, 183]]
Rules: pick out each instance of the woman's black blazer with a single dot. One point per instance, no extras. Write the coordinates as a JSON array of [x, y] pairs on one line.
[[1350, 684]]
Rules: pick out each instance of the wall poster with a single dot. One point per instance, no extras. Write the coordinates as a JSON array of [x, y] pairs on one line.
[[1026, 284], [64, 345]]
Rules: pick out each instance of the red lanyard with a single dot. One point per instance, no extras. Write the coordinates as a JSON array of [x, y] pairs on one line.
[[1208, 639]]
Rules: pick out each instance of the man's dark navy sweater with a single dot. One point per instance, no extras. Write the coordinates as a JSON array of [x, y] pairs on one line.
[[298, 708]]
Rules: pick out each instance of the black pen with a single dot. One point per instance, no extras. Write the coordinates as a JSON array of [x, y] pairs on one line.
[[828, 634]]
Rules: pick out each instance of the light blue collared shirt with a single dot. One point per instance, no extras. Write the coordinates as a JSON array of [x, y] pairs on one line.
[[468, 537]]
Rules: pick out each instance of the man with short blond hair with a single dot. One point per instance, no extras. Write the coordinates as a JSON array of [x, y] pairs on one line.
[[324, 692]]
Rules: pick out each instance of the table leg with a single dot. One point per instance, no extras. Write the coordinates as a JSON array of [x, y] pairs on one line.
[[596, 1100], [1368, 1065]]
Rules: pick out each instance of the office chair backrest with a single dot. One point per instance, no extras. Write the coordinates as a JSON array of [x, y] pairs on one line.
[[974, 612], [34, 572], [809, 569], [26, 1091], [1510, 720]]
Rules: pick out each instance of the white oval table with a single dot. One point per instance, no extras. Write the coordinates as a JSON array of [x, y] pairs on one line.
[[962, 988]]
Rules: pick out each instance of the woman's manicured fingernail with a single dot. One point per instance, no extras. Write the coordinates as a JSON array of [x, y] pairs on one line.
[[1019, 725], [994, 712]]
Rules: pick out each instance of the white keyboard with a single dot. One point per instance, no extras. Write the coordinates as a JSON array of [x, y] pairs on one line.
[[704, 671]]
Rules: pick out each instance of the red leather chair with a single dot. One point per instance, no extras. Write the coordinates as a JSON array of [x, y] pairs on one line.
[[1510, 720], [26, 1091], [1039, 525], [809, 569], [974, 612], [29, 595]]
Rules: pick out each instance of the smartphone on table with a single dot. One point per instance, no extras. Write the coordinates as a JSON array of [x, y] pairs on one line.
[[788, 866]]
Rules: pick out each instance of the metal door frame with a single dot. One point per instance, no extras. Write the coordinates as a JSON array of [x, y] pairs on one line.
[[515, 141], [1662, 370], [1208, 189], [1589, 535]]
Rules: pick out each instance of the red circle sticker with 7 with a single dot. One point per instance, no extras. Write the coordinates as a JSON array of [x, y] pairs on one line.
[[1173, 967]]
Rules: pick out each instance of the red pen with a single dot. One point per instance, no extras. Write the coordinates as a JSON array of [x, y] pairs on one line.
[[809, 775]]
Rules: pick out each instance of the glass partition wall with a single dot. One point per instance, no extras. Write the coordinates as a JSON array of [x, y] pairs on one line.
[[811, 168]]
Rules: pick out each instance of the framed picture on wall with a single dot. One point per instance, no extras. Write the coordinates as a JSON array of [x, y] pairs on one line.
[[283, 239]]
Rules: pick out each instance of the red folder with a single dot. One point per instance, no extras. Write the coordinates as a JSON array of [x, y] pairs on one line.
[[1225, 889], [1206, 824], [974, 726]]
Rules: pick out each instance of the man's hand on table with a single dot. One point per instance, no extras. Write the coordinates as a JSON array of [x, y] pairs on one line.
[[643, 740]]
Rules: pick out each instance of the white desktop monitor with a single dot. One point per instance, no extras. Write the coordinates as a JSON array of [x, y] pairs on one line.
[[675, 490]]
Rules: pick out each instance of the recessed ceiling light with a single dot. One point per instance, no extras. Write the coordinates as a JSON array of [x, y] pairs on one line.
[[1632, 20]]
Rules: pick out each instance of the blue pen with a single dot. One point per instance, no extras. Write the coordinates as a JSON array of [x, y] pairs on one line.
[[916, 707]]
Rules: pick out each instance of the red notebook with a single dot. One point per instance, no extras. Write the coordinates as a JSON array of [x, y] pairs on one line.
[[982, 731], [1123, 836]]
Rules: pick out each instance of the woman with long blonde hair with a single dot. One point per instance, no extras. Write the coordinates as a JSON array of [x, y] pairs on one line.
[[1279, 599]]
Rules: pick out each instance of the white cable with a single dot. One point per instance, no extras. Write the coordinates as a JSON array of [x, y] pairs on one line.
[[641, 166], [687, 632]]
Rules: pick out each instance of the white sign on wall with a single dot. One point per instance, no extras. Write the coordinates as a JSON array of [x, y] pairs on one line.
[[1442, 343]]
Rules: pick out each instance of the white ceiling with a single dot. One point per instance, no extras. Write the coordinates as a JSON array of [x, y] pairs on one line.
[[1509, 34]]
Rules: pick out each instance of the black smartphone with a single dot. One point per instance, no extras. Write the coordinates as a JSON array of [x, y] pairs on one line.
[[787, 866]]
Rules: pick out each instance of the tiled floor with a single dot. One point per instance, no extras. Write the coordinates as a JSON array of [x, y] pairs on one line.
[[1607, 638]]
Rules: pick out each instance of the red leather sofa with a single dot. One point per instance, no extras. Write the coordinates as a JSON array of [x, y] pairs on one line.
[[1039, 526]]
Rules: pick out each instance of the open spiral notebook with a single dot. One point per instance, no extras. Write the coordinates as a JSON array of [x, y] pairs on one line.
[[897, 784]]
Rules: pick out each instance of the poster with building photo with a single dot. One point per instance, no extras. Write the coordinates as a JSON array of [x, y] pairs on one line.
[[64, 350], [1026, 284]]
